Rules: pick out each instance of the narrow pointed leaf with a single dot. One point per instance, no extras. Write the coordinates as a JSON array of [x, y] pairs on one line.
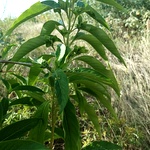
[[91, 113], [35, 95], [35, 70], [95, 15], [26, 100], [21, 78], [104, 39], [48, 27], [27, 47], [112, 3], [5, 105], [21, 145], [41, 127], [71, 128], [96, 91], [61, 88], [94, 42], [94, 76], [99, 67], [33, 11], [18, 129]]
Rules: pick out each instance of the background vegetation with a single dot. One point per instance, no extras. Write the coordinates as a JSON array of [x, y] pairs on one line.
[[133, 108]]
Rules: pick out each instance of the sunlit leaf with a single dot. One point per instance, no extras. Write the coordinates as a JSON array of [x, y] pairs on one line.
[[35, 70], [99, 67], [95, 15], [33, 11], [94, 42], [103, 38]]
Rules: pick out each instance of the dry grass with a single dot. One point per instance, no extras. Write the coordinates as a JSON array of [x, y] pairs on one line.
[[134, 80]]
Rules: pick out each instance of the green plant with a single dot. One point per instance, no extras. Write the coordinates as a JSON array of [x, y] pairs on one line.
[[60, 82]]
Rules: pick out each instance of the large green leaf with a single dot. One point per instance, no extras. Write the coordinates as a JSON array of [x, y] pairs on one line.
[[95, 15], [26, 100], [99, 67], [35, 70], [112, 3], [21, 145], [92, 75], [90, 112], [94, 42], [103, 38], [95, 89], [48, 27], [33, 11], [71, 128], [5, 105], [38, 132], [17, 129], [51, 3], [62, 88], [21, 78], [27, 88], [27, 47]]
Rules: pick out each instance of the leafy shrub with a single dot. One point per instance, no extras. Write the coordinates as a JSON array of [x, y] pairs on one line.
[[57, 83]]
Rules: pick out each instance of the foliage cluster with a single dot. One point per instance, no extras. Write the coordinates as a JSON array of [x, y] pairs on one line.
[[127, 25]]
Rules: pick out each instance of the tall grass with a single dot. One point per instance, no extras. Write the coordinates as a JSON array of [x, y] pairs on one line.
[[134, 104]]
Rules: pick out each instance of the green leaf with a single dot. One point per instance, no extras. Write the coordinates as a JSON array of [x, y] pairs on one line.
[[1, 113], [21, 145], [90, 112], [112, 3], [26, 100], [91, 75], [37, 96], [102, 145], [27, 47], [35, 70], [5, 105], [33, 11], [27, 88], [48, 27], [17, 129], [38, 132], [96, 91], [21, 78], [51, 3], [71, 128], [99, 67], [61, 88], [94, 42], [95, 15], [6, 83], [103, 38]]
